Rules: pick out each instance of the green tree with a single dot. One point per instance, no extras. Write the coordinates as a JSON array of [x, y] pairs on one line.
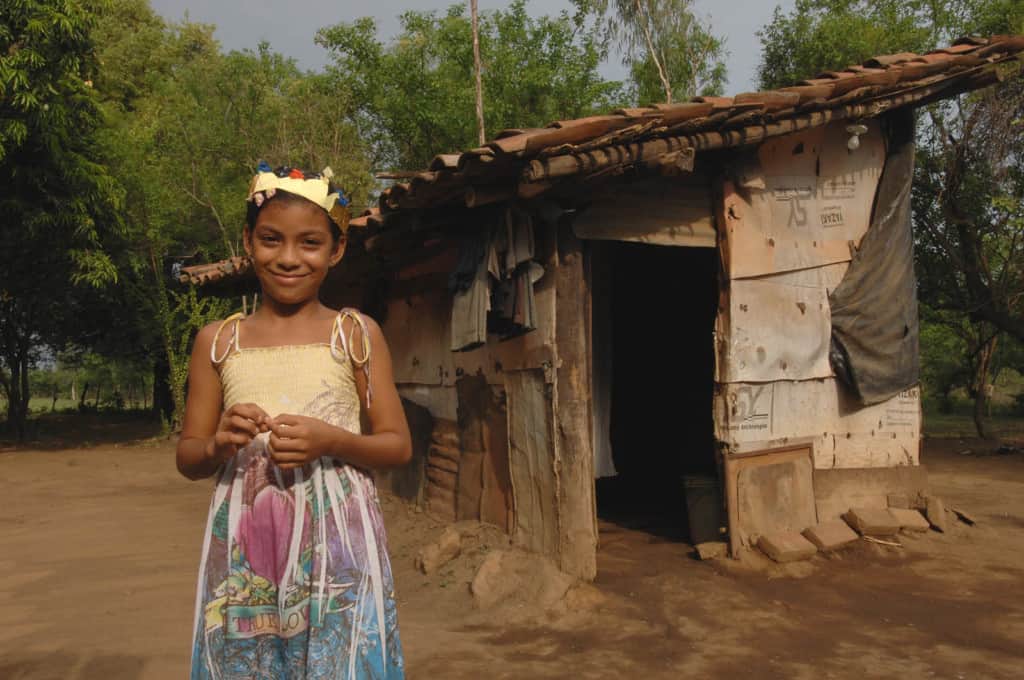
[[414, 96], [188, 126], [59, 202], [670, 52], [823, 35]]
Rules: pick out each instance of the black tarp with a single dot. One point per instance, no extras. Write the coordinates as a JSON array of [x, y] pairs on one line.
[[874, 308]]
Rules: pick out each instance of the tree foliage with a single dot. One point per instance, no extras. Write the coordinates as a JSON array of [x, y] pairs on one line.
[[59, 201], [671, 53], [413, 97], [188, 125]]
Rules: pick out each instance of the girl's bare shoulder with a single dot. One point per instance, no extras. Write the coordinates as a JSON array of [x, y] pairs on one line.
[[353, 321], [219, 332]]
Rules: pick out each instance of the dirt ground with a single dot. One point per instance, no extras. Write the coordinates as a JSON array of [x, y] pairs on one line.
[[99, 548]]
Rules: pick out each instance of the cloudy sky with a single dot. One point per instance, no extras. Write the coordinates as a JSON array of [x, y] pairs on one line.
[[290, 26]]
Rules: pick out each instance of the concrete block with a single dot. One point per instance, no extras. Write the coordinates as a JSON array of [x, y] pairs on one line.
[[831, 535], [712, 550], [935, 511], [786, 546], [872, 521], [898, 500], [910, 520], [839, 489]]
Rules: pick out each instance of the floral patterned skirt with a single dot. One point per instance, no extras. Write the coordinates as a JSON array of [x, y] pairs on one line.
[[295, 580]]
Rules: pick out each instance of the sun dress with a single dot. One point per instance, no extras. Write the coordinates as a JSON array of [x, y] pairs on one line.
[[294, 580]]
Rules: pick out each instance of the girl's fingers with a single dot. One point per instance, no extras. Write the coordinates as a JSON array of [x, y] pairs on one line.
[[250, 411], [287, 420], [244, 424], [239, 438], [286, 443], [280, 457]]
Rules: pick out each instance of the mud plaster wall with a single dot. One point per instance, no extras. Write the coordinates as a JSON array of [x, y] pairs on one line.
[[793, 212]]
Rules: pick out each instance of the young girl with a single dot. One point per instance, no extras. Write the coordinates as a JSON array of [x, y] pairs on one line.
[[290, 407]]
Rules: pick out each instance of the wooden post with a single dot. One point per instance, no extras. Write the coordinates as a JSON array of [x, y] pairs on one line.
[[476, 73], [573, 441]]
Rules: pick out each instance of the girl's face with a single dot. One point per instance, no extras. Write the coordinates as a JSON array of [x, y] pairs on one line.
[[292, 248]]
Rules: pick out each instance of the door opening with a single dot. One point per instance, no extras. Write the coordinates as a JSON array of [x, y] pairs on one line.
[[654, 315]]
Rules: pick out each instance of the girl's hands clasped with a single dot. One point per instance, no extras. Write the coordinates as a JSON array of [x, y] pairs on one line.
[[298, 440], [238, 426]]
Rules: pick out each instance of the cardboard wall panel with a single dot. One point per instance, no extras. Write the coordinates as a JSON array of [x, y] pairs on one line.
[[777, 328], [801, 201], [758, 415]]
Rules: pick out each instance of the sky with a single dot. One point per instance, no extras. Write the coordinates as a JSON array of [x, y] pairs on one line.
[[290, 26]]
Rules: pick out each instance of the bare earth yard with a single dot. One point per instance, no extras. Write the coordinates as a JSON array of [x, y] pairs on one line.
[[99, 549]]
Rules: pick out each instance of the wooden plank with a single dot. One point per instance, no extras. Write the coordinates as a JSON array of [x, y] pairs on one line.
[[530, 350], [470, 483], [496, 503], [659, 211], [532, 462], [801, 200], [417, 332], [845, 435], [577, 518]]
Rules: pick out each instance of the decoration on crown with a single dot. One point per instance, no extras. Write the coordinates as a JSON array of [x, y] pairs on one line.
[[313, 186]]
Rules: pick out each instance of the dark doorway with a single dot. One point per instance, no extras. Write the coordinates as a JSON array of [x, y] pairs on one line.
[[660, 304]]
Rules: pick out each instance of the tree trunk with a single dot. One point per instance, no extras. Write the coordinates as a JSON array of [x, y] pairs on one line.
[[81, 397], [476, 72], [654, 53], [18, 392], [981, 396], [53, 404]]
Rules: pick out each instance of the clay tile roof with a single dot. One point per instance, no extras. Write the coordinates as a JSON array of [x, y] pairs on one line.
[[528, 162], [568, 148], [202, 274]]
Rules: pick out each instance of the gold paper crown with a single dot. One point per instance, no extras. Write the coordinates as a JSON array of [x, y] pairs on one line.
[[314, 187]]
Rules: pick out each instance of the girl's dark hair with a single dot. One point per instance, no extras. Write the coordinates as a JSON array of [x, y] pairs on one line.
[[252, 210]]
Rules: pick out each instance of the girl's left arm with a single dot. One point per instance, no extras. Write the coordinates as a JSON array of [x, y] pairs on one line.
[[297, 440]]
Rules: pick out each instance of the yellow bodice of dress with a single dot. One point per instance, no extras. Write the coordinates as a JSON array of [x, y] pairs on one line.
[[303, 380]]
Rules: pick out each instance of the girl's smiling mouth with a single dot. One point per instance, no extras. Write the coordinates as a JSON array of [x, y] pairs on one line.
[[288, 278]]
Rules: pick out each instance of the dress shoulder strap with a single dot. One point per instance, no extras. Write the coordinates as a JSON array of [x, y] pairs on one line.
[[233, 343], [349, 351]]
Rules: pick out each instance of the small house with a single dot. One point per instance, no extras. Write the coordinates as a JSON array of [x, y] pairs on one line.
[[705, 309]]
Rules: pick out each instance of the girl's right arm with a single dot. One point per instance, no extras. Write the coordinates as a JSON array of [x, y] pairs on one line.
[[208, 436]]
